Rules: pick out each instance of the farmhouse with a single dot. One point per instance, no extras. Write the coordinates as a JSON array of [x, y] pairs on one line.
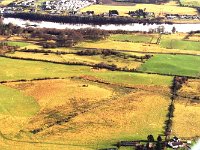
[[113, 13], [175, 143]]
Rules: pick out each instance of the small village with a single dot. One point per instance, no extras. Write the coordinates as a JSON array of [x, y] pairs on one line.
[[73, 7]]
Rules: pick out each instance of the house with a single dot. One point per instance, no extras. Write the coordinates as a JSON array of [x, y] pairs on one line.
[[90, 13], [113, 13], [175, 143]]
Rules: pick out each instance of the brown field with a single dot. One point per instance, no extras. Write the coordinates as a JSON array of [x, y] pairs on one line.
[[191, 88]]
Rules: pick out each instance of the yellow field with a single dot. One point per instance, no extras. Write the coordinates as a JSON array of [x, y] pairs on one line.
[[6, 2], [186, 119], [120, 62], [139, 47], [191, 88], [157, 9], [53, 93], [108, 116], [129, 117]]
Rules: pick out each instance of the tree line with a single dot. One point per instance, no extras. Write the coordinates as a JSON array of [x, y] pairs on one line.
[[97, 19]]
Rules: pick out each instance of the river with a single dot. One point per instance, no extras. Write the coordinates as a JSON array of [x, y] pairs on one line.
[[127, 27]]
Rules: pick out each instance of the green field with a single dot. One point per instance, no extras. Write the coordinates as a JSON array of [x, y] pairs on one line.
[[131, 38], [13, 102], [19, 69], [20, 44], [180, 44], [173, 64]]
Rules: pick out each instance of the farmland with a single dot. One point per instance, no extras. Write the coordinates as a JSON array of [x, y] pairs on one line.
[[97, 92], [190, 2], [173, 64], [157, 9]]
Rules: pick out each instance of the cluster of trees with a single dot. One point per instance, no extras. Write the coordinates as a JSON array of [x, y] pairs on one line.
[[9, 29], [169, 122], [5, 47], [177, 84], [60, 38], [91, 52], [98, 19], [102, 65]]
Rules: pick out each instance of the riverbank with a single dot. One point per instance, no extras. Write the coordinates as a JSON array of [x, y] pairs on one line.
[[137, 27]]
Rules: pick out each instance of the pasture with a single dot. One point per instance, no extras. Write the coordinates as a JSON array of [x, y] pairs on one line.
[[173, 64], [97, 126], [13, 69], [120, 62], [132, 38], [190, 89], [19, 44], [180, 44], [125, 46], [186, 119], [6, 2], [190, 2]]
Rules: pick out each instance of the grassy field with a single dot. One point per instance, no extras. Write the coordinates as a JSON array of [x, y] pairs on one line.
[[6, 2], [132, 38], [57, 98], [20, 69], [173, 64], [15, 103], [180, 44], [157, 9], [186, 119], [130, 46], [190, 2], [20, 44], [15, 109], [129, 63], [190, 89]]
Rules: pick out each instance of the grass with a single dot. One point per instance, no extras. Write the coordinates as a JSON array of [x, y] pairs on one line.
[[6, 2], [20, 44], [186, 119], [20, 69], [53, 93], [190, 2], [180, 44], [130, 46], [173, 64], [190, 89], [157, 9], [14, 103], [130, 117], [129, 63], [131, 38]]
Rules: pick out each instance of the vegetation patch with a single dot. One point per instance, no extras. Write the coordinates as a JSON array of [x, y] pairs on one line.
[[186, 119], [15, 103], [131, 38], [173, 64], [19, 44], [180, 44], [13, 69]]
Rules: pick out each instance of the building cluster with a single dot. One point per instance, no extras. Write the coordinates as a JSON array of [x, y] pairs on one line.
[[66, 5], [182, 17], [24, 3]]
